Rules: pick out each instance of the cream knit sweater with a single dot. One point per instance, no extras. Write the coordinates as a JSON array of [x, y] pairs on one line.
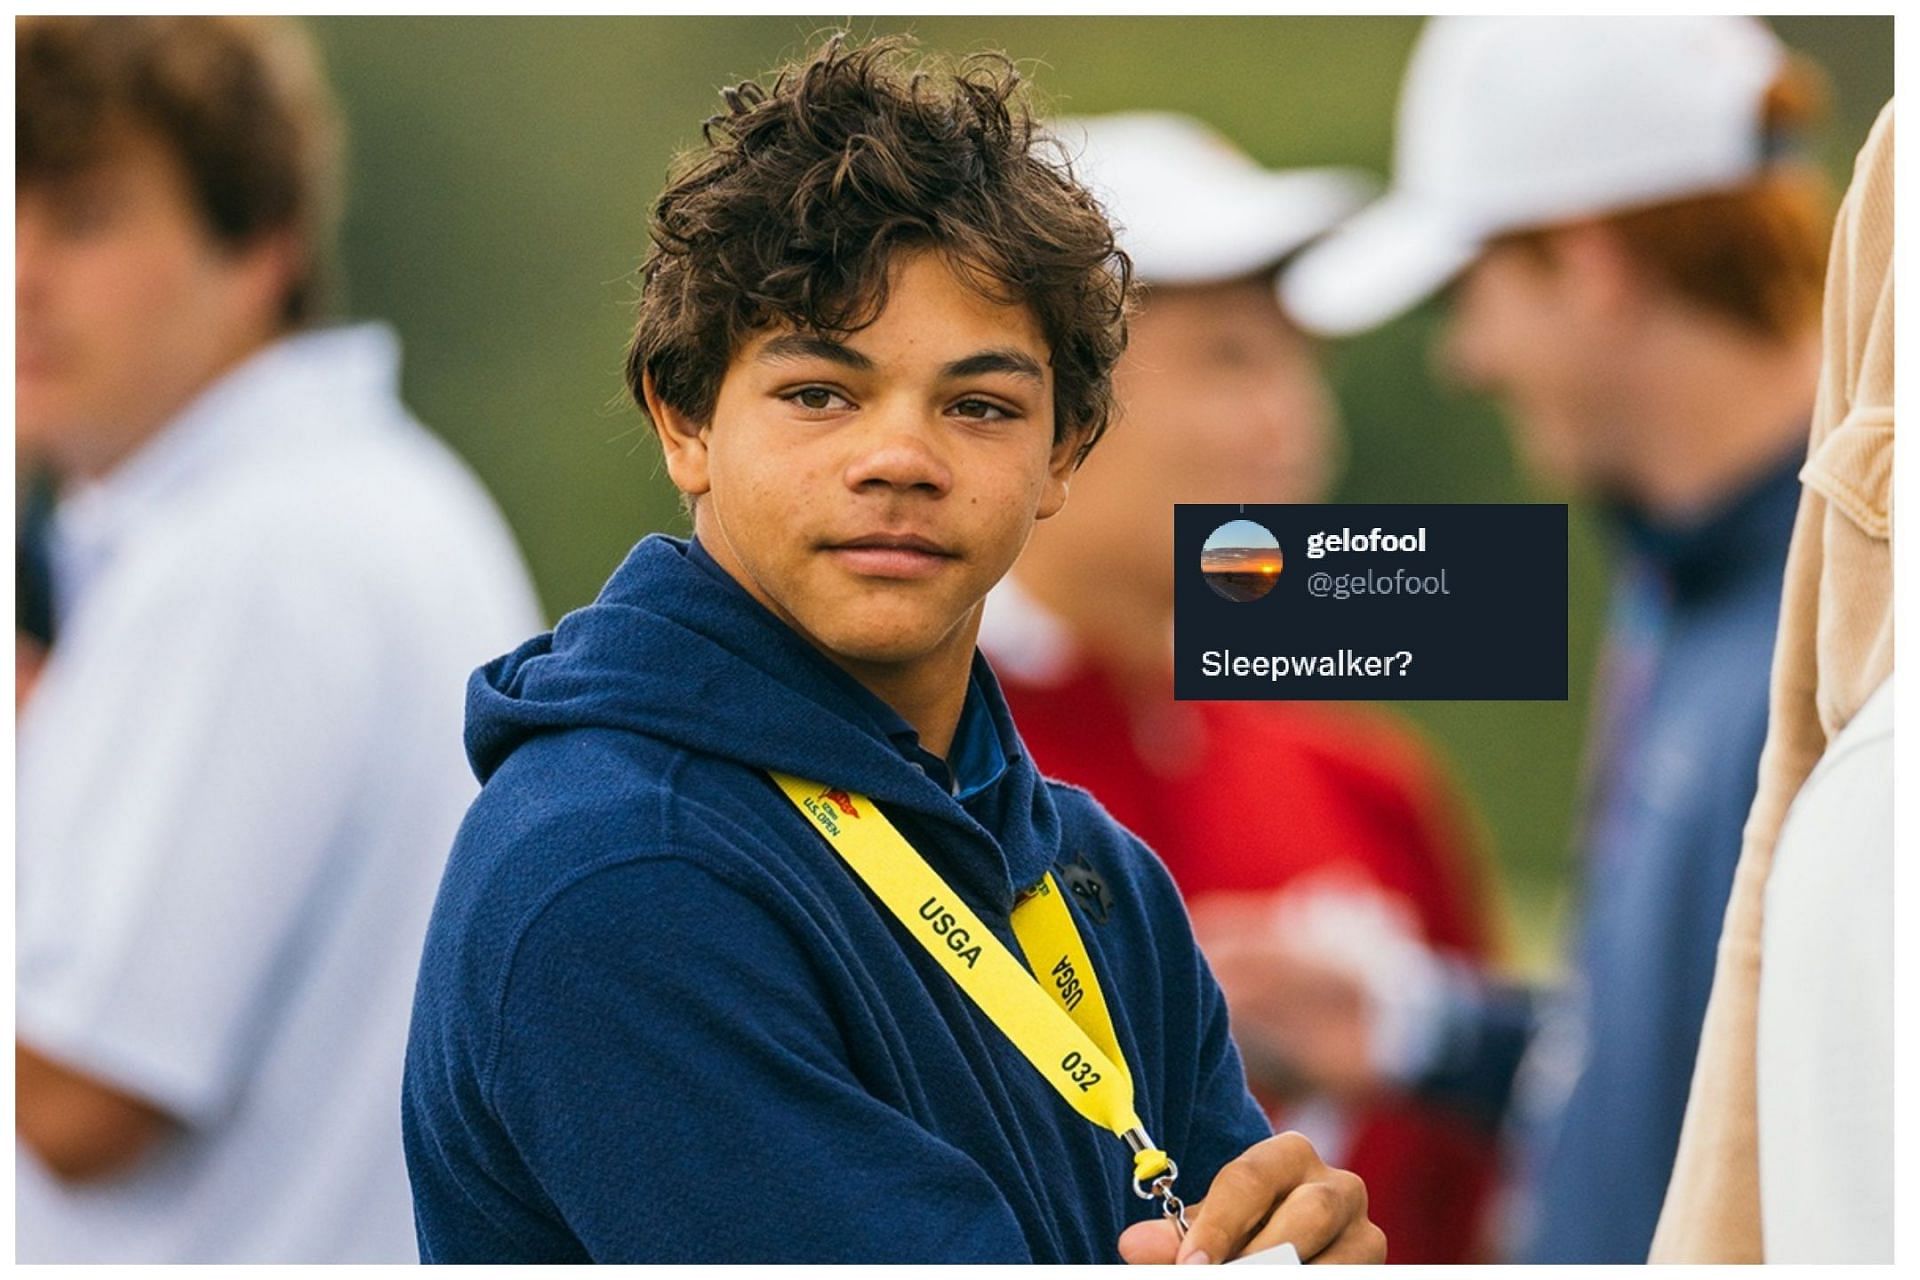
[[1835, 646]]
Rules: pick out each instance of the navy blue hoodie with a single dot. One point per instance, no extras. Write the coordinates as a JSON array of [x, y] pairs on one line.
[[658, 1019]]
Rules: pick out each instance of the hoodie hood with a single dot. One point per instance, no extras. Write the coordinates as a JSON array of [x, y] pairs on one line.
[[675, 650]]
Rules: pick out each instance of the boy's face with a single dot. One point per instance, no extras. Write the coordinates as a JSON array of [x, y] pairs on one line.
[[871, 489], [126, 305]]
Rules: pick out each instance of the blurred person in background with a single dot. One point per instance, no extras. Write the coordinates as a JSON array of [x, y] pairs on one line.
[[1637, 253], [240, 768], [1787, 1151], [1285, 825]]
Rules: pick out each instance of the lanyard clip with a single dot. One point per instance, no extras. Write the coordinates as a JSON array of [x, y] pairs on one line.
[[1153, 1175]]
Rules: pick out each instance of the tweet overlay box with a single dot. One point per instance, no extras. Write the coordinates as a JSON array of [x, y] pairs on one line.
[[1406, 601]]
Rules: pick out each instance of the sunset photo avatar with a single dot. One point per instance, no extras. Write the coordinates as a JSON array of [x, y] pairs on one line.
[[1241, 560]]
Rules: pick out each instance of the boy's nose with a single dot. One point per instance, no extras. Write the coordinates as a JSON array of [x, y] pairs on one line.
[[901, 452]]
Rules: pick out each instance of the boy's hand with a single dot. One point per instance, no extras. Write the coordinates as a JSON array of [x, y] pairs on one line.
[[1277, 1191]]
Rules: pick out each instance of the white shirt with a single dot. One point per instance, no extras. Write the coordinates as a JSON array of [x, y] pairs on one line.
[[239, 778], [1825, 1031]]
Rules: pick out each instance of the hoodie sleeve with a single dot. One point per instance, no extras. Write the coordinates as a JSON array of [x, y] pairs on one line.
[[669, 1073], [1214, 1117], [1226, 1118]]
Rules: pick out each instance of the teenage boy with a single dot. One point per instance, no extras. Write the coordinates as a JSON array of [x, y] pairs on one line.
[[673, 1004], [235, 772], [1288, 826], [1639, 261]]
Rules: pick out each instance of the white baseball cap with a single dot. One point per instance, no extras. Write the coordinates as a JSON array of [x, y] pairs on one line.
[[1507, 124], [1189, 207]]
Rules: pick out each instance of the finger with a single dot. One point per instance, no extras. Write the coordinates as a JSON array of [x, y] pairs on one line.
[[1361, 1243], [1153, 1241], [1244, 1193], [1317, 1214]]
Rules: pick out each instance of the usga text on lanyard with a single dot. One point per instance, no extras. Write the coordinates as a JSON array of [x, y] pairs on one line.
[[1056, 1016]]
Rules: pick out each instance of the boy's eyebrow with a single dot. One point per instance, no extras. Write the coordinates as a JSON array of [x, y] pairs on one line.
[[806, 346], [998, 360]]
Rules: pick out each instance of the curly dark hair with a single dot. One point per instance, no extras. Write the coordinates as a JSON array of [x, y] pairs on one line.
[[807, 188]]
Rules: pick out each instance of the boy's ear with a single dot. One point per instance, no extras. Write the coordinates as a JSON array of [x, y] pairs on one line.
[[1061, 464], [683, 442]]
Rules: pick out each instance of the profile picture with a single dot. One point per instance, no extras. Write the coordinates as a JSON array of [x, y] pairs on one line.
[[1241, 560]]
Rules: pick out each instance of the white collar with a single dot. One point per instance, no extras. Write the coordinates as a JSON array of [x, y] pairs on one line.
[[282, 390]]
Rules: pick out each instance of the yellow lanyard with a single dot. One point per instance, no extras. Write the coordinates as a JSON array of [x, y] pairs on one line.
[[1056, 1016]]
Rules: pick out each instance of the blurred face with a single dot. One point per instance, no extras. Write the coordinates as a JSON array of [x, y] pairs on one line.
[[1540, 334], [1221, 400], [125, 304], [870, 489]]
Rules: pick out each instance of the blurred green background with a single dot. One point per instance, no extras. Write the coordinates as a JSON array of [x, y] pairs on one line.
[[501, 170]]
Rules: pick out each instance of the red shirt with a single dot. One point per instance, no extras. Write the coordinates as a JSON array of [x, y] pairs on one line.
[[1253, 796]]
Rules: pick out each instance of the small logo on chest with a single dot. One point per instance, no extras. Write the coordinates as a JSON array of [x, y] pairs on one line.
[[1085, 884]]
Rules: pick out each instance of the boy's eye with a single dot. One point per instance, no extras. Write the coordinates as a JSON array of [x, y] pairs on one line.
[[816, 398], [982, 410]]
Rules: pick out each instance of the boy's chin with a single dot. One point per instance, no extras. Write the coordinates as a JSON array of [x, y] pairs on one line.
[[898, 643]]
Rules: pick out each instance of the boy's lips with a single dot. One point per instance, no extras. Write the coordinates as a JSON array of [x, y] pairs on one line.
[[891, 555]]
